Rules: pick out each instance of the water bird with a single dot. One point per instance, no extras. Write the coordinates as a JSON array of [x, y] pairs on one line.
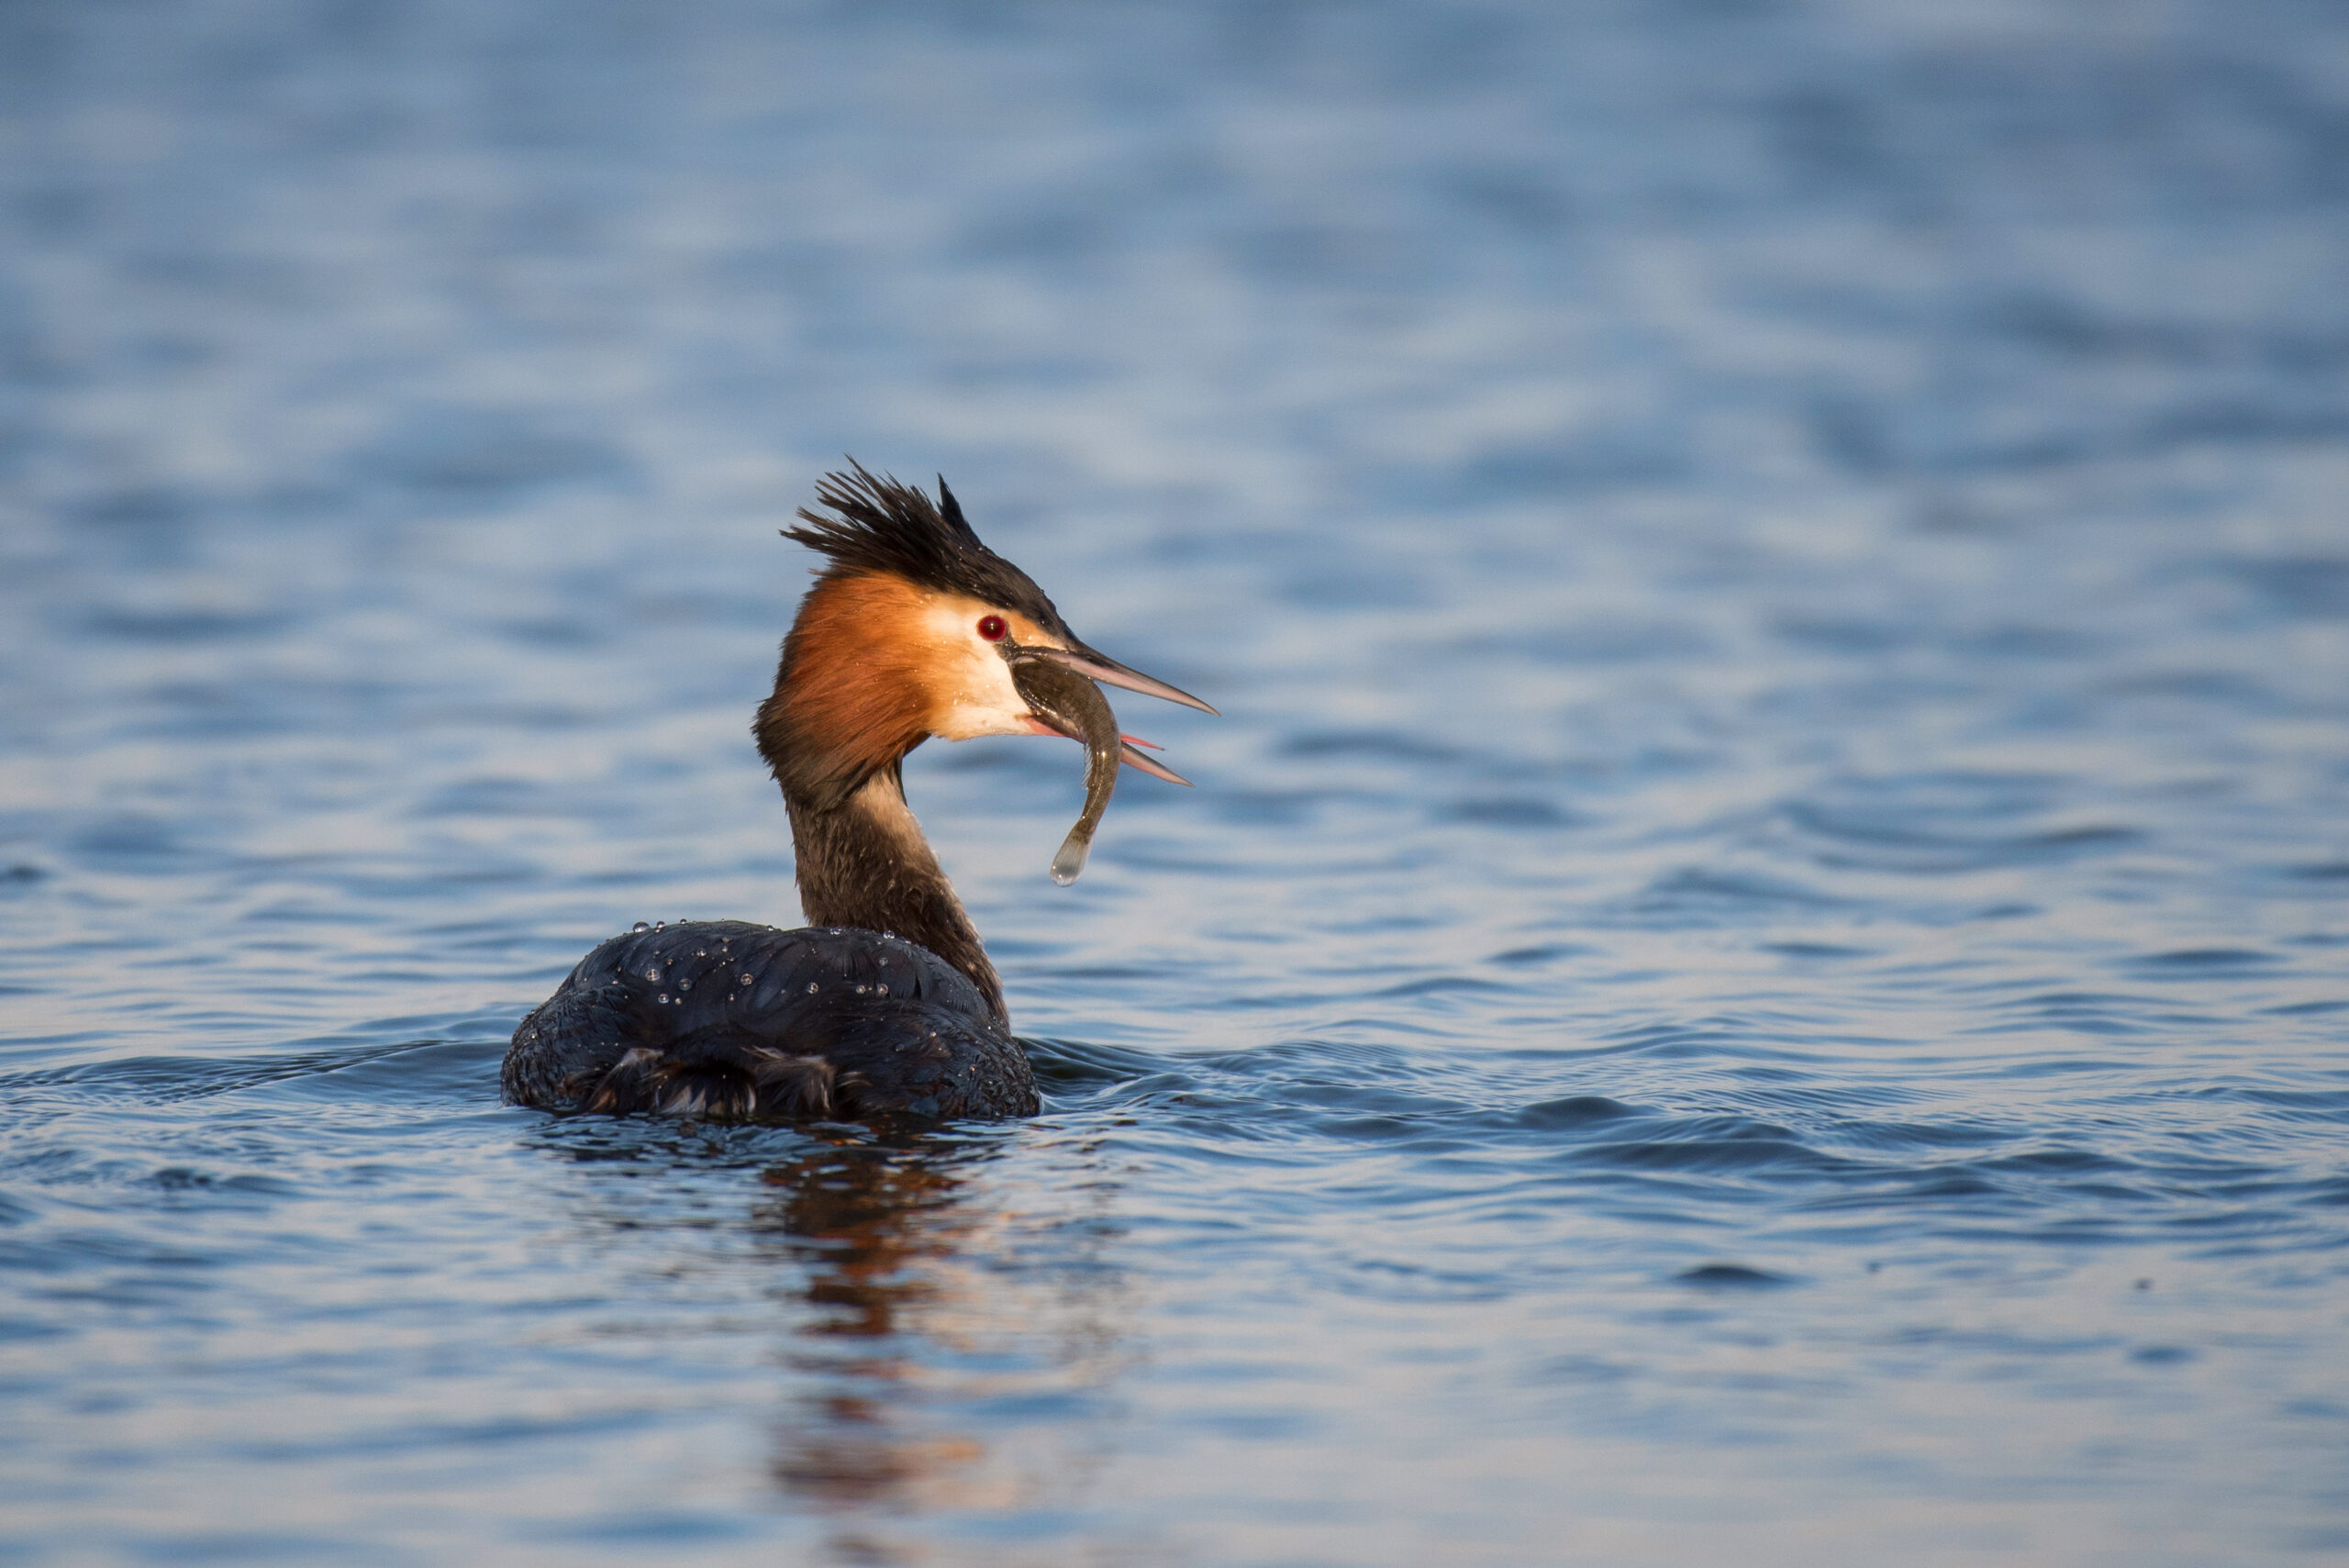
[[886, 1004]]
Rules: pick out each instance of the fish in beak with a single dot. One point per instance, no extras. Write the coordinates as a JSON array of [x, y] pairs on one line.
[[1057, 684], [1097, 666]]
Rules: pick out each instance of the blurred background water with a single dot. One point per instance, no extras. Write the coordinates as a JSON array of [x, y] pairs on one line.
[[1760, 967]]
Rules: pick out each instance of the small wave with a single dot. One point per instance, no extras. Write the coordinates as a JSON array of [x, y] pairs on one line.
[[442, 1056], [1732, 1276], [2196, 963]]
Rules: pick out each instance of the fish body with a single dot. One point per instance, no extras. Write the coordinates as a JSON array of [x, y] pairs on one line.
[[1075, 706]]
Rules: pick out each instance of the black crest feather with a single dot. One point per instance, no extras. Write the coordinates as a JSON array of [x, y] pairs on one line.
[[872, 524]]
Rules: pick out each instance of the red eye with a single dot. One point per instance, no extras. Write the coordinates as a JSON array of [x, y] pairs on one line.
[[992, 627]]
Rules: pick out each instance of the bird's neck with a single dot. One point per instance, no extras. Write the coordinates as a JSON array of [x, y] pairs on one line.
[[865, 863]]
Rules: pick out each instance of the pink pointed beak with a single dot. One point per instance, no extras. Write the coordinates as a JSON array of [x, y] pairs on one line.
[[1109, 672], [1127, 754]]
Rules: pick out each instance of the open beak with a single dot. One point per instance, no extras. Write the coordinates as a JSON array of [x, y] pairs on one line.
[[1100, 667], [1129, 750], [1109, 672]]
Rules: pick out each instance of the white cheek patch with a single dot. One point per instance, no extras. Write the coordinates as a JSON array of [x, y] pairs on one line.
[[973, 689]]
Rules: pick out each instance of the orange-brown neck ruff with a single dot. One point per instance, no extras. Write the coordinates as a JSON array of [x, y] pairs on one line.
[[867, 674], [850, 698]]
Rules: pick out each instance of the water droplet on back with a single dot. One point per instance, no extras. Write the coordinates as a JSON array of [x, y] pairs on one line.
[[640, 926]]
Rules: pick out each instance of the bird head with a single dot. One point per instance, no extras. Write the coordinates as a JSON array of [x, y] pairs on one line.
[[912, 630]]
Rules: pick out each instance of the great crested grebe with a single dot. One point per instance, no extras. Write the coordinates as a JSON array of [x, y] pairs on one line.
[[886, 1003]]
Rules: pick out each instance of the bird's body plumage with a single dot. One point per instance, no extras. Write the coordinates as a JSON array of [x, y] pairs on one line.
[[731, 1021]]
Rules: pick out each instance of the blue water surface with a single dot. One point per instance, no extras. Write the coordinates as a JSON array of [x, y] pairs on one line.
[[1759, 969]]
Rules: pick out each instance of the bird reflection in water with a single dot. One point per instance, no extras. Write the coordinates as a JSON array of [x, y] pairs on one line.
[[907, 1330]]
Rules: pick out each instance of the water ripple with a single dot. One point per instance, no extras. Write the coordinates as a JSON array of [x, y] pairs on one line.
[[1757, 967]]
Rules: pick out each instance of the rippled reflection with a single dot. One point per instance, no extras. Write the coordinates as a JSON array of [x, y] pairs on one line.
[[913, 1349], [878, 1232]]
